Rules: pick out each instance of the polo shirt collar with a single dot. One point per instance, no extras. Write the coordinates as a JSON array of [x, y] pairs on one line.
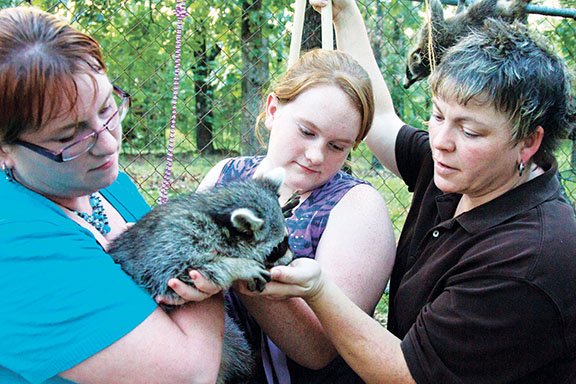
[[520, 199]]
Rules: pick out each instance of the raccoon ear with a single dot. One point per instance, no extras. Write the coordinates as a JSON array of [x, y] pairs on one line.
[[437, 12], [461, 6], [245, 220], [274, 178]]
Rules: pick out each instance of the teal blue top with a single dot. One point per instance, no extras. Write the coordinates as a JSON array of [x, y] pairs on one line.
[[62, 297]]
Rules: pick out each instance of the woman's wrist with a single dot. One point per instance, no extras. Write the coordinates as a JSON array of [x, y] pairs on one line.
[[345, 15], [318, 291]]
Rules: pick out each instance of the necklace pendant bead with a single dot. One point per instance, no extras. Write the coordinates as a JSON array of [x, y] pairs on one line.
[[98, 219]]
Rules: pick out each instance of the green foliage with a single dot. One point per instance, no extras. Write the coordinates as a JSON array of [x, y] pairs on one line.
[[139, 37], [381, 313]]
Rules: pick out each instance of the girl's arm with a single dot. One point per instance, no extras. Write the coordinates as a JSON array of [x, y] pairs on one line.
[[357, 250]]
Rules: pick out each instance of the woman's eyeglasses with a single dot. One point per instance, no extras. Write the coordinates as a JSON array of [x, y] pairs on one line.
[[84, 144]]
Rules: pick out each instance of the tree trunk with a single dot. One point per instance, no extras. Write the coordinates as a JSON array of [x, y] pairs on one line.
[[255, 72], [204, 93], [312, 30]]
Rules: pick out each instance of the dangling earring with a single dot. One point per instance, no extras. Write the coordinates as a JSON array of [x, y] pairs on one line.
[[8, 172], [521, 168]]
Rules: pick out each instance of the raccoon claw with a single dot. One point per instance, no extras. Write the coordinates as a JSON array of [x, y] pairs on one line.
[[259, 283], [256, 285]]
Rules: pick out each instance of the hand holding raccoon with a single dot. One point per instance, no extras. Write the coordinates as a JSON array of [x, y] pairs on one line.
[[201, 290], [229, 233], [302, 278]]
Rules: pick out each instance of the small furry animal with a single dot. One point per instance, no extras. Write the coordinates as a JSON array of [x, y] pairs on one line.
[[447, 32], [231, 232]]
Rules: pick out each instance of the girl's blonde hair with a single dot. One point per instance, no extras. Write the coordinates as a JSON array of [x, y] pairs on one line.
[[322, 67]]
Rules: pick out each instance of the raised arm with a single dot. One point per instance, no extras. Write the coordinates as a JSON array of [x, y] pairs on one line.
[[351, 37]]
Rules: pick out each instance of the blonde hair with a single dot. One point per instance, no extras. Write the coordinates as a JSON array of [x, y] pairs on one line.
[[322, 67]]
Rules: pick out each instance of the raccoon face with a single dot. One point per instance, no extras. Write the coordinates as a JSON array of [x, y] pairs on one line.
[[280, 255], [250, 211], [418, 67], [248, 222]]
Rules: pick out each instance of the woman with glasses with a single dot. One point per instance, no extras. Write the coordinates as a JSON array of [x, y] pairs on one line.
[[68, 313]]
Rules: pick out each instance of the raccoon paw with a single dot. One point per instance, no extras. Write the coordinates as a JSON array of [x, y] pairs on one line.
[[259, 282]]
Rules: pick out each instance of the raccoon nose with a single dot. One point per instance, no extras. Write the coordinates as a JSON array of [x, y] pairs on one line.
[[278, 251]]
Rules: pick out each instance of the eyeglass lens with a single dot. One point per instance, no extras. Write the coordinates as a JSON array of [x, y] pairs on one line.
[[85, 144]]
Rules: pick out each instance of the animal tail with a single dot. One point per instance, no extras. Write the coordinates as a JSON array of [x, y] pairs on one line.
[[238, 364]]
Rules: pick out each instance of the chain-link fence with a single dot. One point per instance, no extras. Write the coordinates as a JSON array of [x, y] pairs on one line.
[[231, 51]]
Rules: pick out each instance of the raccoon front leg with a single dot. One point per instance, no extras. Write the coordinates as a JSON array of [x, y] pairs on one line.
[[225, 271]]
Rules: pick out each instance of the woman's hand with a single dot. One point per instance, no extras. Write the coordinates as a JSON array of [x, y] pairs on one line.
[[301, 278], [337, 5], [203, 289]]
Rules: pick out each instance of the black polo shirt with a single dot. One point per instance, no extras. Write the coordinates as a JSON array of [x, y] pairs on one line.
[[489, 296]]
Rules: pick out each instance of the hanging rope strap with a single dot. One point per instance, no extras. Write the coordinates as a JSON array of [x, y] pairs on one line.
[[181, 15], [296, 39], [431, 53], [327, 29]]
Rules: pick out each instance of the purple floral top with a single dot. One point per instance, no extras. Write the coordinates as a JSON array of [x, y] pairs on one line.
[[305, 228]]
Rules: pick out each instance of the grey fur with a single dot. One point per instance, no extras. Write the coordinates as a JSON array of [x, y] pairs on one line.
[[232, 232], [447, 32]]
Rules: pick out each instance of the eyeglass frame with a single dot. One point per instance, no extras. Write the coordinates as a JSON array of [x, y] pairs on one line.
[[59, 157]]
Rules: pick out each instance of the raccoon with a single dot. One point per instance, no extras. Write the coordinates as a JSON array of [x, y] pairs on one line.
[[231, 232], [447, 32]]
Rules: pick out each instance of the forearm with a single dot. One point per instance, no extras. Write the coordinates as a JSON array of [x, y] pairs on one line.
[[294, 328], [352, 37], [183, 347], [372, 351]]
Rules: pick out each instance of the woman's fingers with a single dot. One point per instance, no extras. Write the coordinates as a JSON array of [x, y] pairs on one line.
[[203, 284], [337, 5], [202, 289], [302, 278], [318, 4], [302, 271]]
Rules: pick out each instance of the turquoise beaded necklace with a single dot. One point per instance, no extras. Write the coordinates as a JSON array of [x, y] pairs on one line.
[[98, 219]]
